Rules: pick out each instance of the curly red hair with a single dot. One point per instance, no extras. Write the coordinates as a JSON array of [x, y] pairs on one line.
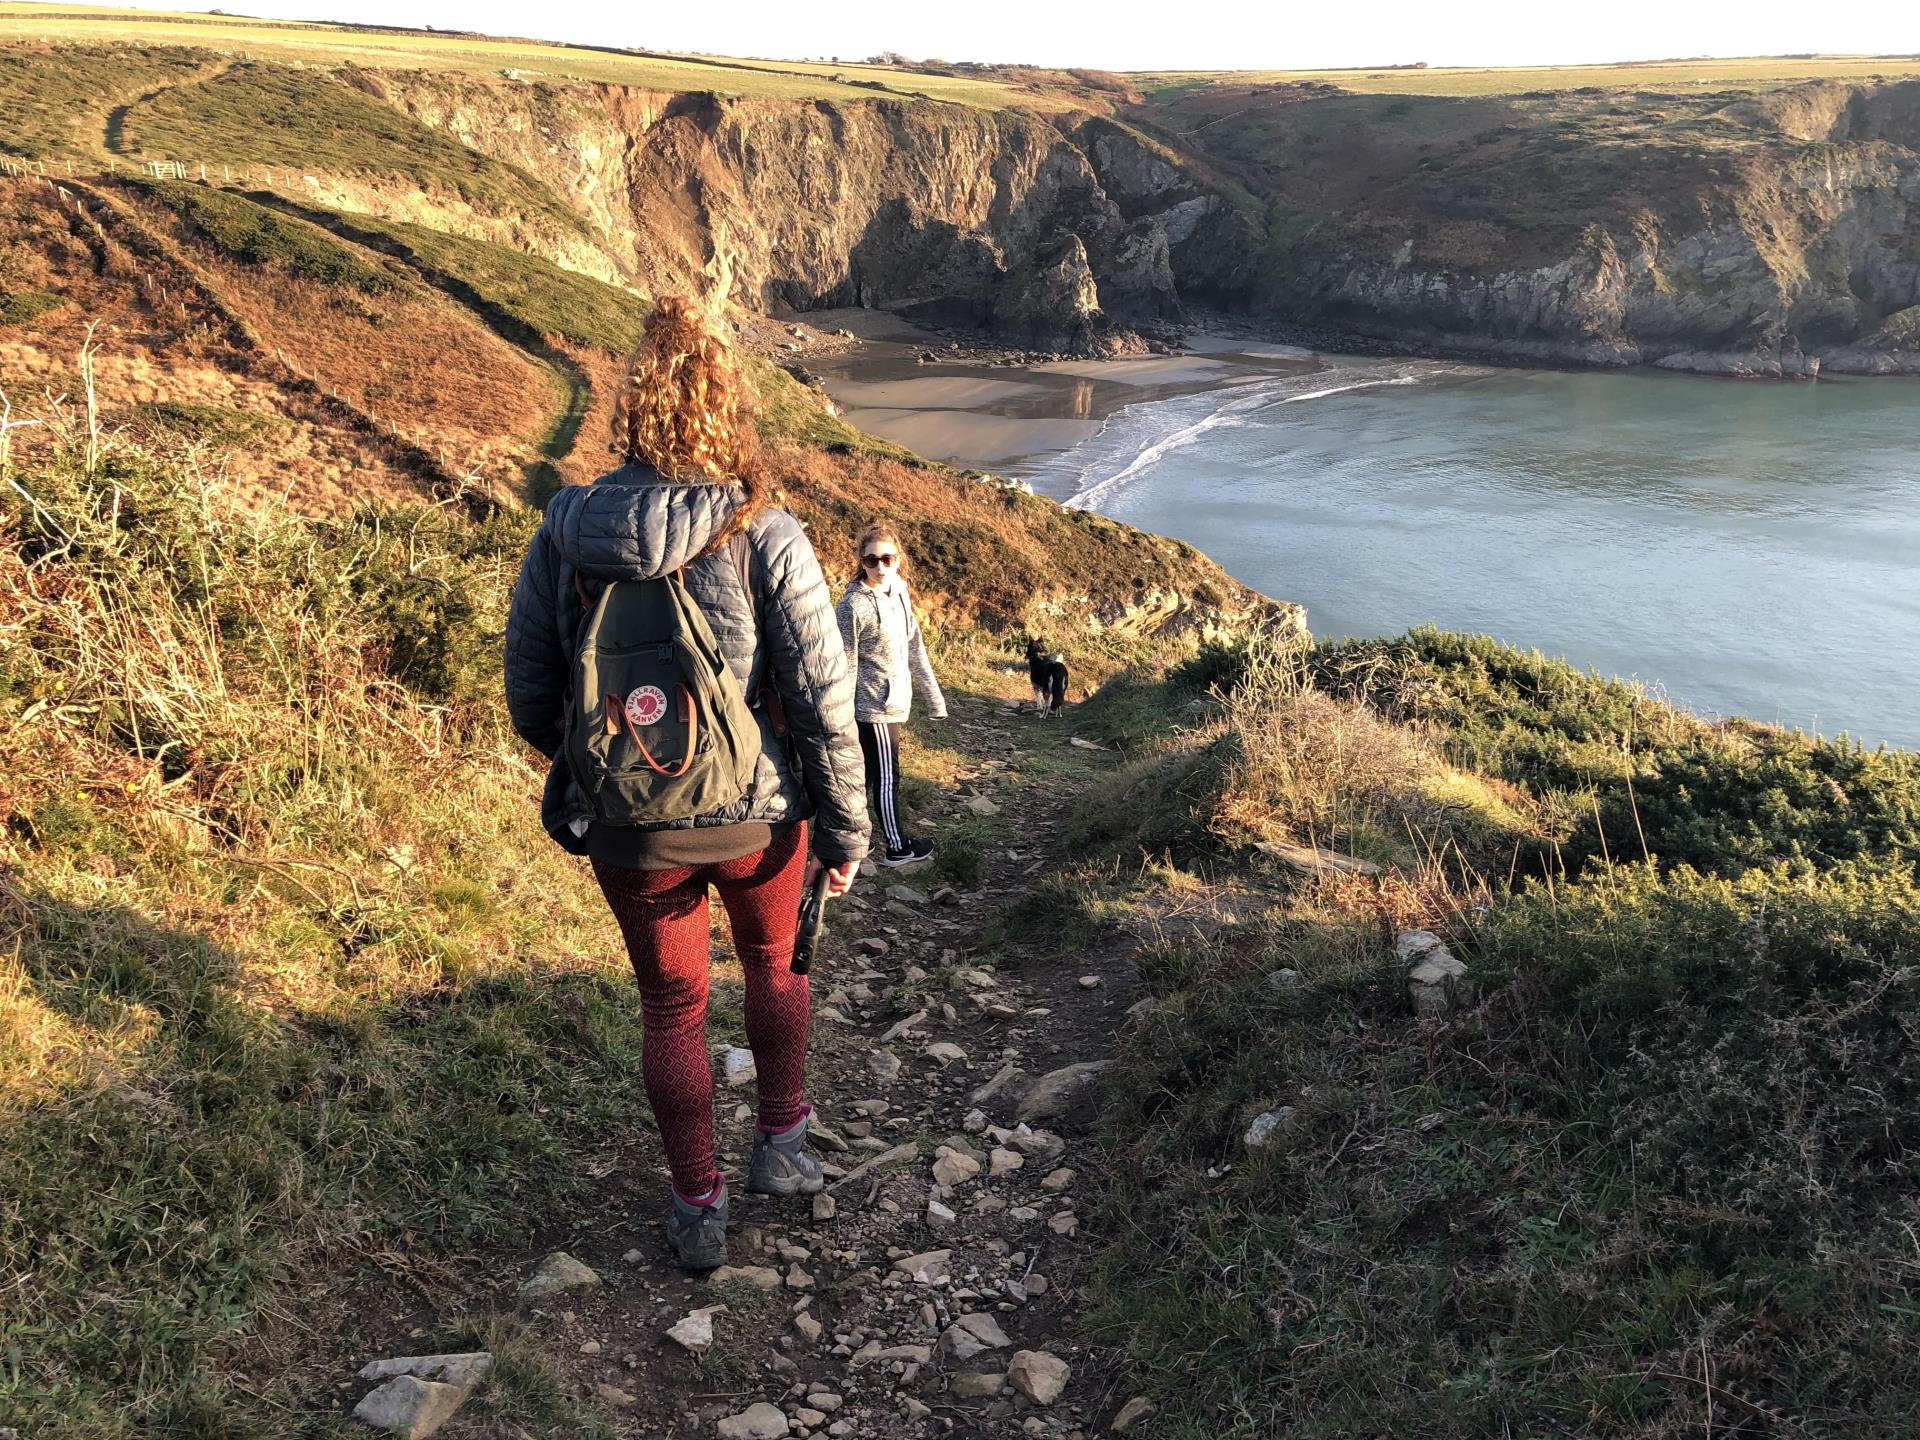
[[684, 409]]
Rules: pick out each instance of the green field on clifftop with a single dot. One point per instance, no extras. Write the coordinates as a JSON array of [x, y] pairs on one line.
[[1760, 72], [342, 44]]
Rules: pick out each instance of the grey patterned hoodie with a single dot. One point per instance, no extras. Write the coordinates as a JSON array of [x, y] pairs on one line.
[[882, 636]]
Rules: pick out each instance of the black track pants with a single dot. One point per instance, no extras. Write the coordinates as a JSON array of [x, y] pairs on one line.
[[880, 743]]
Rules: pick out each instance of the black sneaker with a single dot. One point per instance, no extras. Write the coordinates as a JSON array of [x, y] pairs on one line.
[[914, 852]]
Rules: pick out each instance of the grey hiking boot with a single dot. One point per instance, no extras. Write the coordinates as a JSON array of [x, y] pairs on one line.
[[697, 1234], [780, 1164]]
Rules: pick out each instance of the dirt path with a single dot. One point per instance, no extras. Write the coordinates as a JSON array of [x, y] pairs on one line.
[[843, 1314]]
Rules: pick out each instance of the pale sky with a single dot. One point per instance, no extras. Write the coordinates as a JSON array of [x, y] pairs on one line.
[[1168, 35]]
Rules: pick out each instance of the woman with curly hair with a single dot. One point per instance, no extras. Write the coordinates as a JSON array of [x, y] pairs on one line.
[[692, 500]]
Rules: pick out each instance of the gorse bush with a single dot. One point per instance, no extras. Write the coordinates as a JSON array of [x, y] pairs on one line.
[[1628, 776], [1266, 757]]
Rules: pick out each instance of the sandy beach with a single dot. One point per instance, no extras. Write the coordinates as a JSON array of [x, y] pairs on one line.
[[969, 412]]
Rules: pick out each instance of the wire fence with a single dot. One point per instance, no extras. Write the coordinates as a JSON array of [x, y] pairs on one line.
[[212, 172]]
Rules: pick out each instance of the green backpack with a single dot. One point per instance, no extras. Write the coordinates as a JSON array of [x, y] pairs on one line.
[[658, 728]]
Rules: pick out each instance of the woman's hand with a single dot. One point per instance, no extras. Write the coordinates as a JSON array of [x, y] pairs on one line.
[[839, 877]]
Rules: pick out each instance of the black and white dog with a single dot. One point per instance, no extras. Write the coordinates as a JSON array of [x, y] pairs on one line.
[[1049, 676]]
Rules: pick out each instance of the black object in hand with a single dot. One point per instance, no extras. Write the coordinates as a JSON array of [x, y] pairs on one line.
[[813, 917]]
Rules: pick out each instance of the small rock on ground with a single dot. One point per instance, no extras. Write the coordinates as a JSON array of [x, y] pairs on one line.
[[756, 1422], [1131, 1414], [409, 1407], [1268, 1128], [973, 1335], [976, 1385], [1038, 1375], [954, 1168], [1059, 1091], [694, 1330], [557, 1273]]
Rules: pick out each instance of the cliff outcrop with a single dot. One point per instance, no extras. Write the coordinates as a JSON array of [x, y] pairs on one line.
[[1754, 233], [1773, 234], [993, 220], [1759, 234]]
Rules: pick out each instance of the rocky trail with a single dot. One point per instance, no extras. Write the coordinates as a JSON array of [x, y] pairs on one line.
[[933, 1288]]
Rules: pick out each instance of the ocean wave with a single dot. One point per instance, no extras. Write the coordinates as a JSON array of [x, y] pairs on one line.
[[1085, 460]]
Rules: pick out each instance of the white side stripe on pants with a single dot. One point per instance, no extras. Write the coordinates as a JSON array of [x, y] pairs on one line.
[[889, 821]]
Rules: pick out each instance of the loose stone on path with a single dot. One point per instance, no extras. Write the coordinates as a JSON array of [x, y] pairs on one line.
[[558, 1273], [1038, 1375], [693, 1332], [953, 1167], [421, 1391], [756, 1422]]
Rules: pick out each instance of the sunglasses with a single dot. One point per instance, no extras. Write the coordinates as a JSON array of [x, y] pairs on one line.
[[887, 559]]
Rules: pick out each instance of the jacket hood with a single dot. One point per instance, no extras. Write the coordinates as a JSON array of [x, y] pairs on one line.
[[632, 524]]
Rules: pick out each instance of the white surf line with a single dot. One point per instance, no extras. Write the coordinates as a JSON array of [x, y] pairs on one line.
[[1082, 499]]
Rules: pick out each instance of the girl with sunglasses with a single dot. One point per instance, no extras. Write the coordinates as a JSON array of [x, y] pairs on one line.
[[889, 659]]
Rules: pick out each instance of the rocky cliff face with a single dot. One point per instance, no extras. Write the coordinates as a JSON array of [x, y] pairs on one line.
[[1768, 234], [1771, 236], [993, 220]]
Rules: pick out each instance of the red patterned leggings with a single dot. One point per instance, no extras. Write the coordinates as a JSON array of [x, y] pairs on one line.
[[663, 915]]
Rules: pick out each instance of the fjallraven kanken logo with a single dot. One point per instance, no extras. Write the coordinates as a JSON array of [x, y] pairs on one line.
[[658, 728]]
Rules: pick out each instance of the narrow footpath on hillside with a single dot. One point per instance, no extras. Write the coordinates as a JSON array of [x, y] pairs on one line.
[[934, 1289]]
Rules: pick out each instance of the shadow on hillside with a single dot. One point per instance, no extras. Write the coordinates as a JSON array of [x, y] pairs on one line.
[[113, 970]]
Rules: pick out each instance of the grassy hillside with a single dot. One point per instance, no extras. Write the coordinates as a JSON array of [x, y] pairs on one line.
[[1653, 1161], [268, 987], [290, 119], [55, 103], [334, 44], [1763, 72], [1482, 179]]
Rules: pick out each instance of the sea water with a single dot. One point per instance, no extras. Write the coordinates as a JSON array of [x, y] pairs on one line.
[[1745, 548]]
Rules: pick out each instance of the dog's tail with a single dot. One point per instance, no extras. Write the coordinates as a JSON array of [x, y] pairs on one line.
[[1057, 687]]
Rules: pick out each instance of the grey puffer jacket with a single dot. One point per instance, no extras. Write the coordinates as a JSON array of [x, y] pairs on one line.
[[882, 636], [633, 525]]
